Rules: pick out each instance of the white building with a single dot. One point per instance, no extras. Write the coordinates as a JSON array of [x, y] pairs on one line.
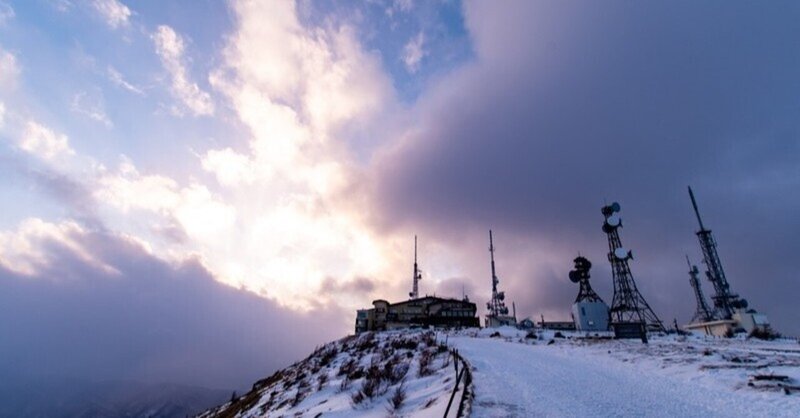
[[590, 316]]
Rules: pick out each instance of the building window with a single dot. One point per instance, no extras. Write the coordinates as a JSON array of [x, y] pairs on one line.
[[583, 311]]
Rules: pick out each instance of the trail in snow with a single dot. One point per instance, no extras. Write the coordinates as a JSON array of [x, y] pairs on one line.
[[513, 379]]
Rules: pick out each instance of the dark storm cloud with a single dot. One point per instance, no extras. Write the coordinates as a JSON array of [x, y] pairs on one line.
[[143, 319], [570, 105]]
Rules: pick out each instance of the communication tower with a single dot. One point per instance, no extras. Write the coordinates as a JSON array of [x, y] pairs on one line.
[[589, 312], [725, 302], [417, 274], [580, 274], [498, 311], [631, 316], [702, 313]]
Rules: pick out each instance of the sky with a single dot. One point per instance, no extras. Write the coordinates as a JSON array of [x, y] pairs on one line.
[[203, 191]]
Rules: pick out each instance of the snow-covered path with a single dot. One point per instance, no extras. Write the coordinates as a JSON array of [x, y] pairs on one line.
[[513, 379]]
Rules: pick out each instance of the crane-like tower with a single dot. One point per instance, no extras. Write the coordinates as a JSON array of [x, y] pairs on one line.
[[702, 313], [724, 301], [628, 306]]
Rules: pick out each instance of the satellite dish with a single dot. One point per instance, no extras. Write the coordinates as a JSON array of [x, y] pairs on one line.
[[622, 253], [614, 220], [615, 207]]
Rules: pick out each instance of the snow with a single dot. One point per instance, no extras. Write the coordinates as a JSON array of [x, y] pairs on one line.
[[535, 373], [690, 376], [426, 395]]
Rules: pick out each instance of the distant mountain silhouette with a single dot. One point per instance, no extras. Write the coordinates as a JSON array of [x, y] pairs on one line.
[[111, 399]]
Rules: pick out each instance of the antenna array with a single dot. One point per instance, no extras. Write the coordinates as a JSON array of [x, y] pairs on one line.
[[628, 306]]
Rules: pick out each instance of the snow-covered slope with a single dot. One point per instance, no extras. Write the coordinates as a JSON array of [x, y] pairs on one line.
[[673, 376], [529, 374], [371, 375]]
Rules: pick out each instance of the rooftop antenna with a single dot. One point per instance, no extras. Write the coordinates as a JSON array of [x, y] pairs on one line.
[[417, 274], [628, 307], [724, 301], [702, 313]]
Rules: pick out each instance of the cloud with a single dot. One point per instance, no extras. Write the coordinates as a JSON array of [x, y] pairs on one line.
[[300, 92], [202, 215], [6, 12], [91, 107], [40, 141], [403, 6], [360, 285], [9, 70], [118, 80], [170, 48], [114, 13], [99, 305], [413, 52], [628, 104], [62, 5]]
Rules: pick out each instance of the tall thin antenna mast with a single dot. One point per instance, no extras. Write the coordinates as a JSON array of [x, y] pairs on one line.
[[498, 311], [696, 211], [417, 274], [491, 253], [702, 312], [724, 301]]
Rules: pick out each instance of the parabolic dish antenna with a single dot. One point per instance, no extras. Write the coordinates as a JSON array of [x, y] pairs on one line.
[[622, 253], [615, 207], [574, 276], [614, 220]]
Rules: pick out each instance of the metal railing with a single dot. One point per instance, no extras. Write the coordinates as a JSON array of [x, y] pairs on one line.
[[465, 374]]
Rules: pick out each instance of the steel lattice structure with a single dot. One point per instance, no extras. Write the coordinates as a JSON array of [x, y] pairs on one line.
[[628, 305], [702, 312], [496, 306], [724, 301], [417, 274], [581, 276]]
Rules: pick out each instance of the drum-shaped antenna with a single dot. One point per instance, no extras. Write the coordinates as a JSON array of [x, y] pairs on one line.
[[622, 253], [582, 263], [574, 276]]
